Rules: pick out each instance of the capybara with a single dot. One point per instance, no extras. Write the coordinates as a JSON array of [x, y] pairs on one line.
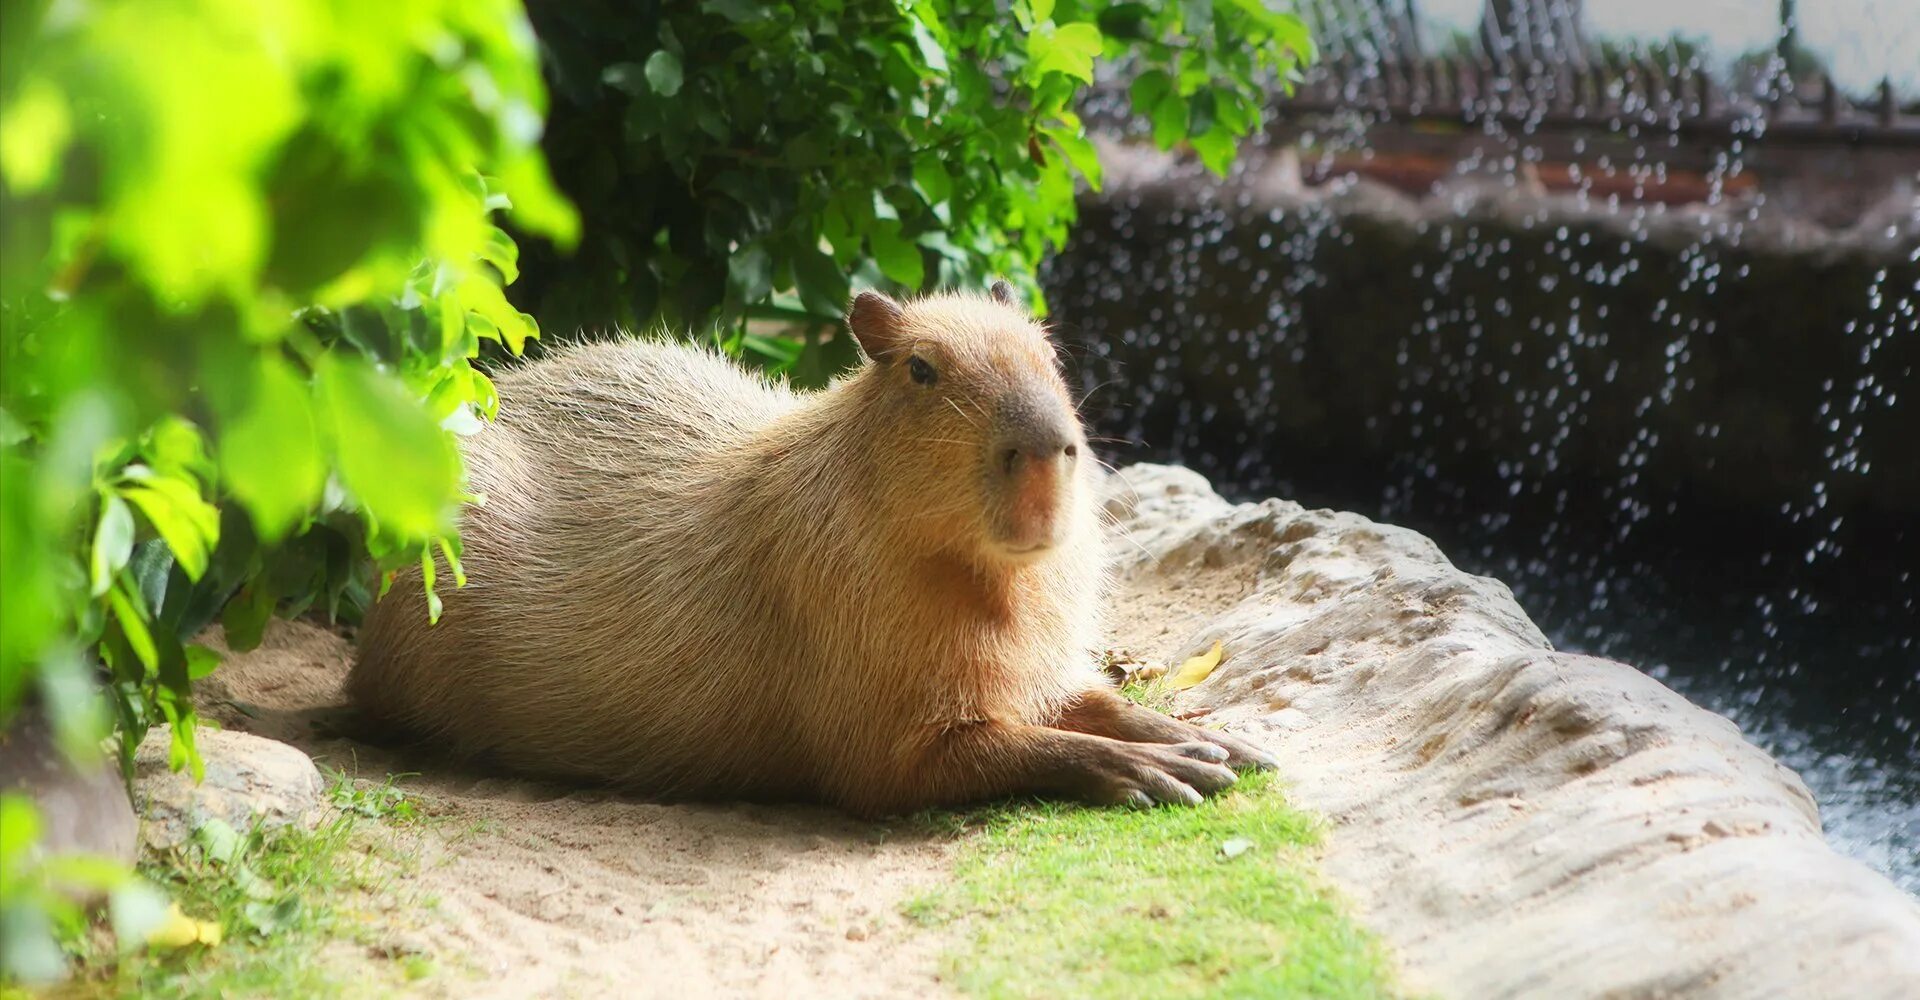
[[691, 581]]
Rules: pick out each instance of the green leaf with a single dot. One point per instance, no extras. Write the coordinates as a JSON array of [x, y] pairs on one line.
[[1169, 120], [750, 273], [663, 73], [218, 841], [1128, 20], [190, 525], [1215, 149], [737, 11], [270, 455], [1197, 16], [1200, 112], [821, 283], [19, 830], [201, 661], [929, 47], [1147, 90], [175, 448], [1068, 49], [151, 564], [899, 259], [34, 131], [1080, 153], [272, 918], [133, 624], [390, 454], [246, 616], [112, 541], [502, 253], [629, 78], [931, 179], [426, 584], [450, 550]]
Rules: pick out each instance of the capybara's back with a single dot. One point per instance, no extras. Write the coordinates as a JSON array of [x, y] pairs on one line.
[[690, 581]]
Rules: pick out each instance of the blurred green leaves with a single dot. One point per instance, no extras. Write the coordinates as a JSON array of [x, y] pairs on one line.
[[737, 161], [270, 454], [248, 254], [392, 456]]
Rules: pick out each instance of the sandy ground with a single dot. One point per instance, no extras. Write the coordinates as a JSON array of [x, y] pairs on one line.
[[542, 890]]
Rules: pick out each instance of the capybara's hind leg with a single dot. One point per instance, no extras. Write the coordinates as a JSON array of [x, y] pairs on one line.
[[991, 760], [1106, 713]]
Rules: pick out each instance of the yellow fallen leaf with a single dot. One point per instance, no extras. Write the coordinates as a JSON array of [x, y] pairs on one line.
[[177, 930], [1197, 668]]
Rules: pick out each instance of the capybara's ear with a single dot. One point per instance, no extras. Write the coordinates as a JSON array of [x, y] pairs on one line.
[[1003, 294], [876, 322]]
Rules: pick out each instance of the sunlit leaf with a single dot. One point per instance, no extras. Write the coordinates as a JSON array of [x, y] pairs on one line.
[[1169, 119], [1197, 668], [1068, 49], [663, 73], [1080, 153], [270, 456], [390, 454], [190, 525], [201, 661], [34, 131], [177, 930], [426, 584], [133, 624], [112, 542]]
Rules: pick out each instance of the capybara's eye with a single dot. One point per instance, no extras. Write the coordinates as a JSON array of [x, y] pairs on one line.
[[922, 372]]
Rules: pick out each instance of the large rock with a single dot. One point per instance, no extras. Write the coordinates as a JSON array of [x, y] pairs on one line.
[[1518, 822], [250, 781]]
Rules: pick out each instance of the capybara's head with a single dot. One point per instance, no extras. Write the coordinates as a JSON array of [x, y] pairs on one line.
[[977, 418]]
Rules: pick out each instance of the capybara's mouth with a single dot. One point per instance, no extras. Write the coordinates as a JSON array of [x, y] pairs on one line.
[[1030, 525]]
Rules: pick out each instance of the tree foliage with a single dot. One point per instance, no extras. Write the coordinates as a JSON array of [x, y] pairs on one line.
[[246, 257], [250, 253], [736, 159]]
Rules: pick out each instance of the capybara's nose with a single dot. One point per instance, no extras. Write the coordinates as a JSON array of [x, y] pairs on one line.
[[1037, 432], [1038, 453]]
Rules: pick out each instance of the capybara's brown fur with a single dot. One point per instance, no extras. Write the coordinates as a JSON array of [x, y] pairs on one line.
[[690, 581]]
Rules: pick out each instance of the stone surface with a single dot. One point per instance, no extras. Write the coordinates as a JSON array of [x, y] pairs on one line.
[[250, 780], [1518, 822], [83, 809]]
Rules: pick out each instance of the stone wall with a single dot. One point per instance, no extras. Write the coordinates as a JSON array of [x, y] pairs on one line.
[[1624, 356]]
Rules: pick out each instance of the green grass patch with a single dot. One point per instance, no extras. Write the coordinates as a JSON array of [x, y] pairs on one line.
[[1218, 900], [301, 913]]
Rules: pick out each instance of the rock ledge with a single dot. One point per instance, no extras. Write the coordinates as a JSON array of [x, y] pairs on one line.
[[1518, 822]]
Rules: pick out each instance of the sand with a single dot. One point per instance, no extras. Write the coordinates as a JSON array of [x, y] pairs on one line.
[[540, 890]]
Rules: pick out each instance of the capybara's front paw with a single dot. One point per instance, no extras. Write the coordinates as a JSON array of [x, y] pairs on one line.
[[1241, 755], [1147, 774]]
